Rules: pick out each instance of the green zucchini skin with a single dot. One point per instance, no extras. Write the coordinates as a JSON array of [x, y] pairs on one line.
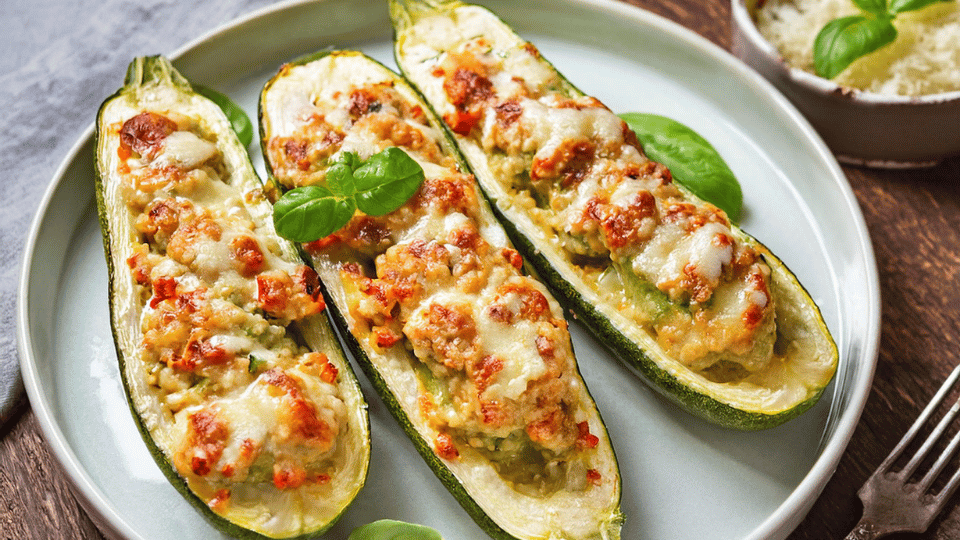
[[795, 306], [608, 526], [144, 76]]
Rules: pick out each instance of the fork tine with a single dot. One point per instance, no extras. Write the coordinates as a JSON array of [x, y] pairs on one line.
[[948, 489], [945, 456], [890, 502], [921, 420], [931, 440]]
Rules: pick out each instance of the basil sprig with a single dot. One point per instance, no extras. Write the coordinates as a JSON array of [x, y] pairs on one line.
[[844, 40], [388, 529], [377, 186], [239, 120], [692, 160]]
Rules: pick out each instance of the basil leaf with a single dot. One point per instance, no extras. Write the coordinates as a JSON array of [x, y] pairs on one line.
[[388, 529], [349, 158], [846, 39], [239, 120], [385, 181], [901, 6], [378, 186], [692, 160], [875, 7], [340, 174], [309, 213]]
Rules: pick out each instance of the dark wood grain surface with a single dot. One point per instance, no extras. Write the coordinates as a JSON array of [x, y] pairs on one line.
[[914, 223]]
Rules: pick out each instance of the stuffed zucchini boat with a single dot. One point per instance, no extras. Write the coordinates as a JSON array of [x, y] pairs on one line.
[[472, 357], [234, 376], [700, 309]]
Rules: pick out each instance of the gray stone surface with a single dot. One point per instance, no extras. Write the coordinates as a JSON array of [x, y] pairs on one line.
[[61, 59]]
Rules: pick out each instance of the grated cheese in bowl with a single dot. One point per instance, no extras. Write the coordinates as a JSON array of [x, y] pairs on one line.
[[923, 60]]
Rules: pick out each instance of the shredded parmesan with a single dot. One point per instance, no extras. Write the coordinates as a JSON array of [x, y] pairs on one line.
[[924, 59]]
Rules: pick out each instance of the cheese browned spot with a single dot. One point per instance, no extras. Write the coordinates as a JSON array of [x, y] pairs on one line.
[[203, 447], [145, 132]]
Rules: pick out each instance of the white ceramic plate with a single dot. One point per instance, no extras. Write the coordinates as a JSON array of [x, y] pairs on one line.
[[682, 478]]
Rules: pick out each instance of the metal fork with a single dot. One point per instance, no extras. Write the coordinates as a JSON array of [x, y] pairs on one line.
[[893, 504]]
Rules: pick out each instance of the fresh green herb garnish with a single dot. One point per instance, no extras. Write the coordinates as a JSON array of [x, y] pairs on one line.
[[256, 365], [239, 120], [376, 186], [844, 40], [692, 160], [385, 181], [309, 213], [388, 529]]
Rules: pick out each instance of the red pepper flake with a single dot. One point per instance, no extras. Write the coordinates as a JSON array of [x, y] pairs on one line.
[[139, 268], [191, 301], [443, 446], [248, 449], [288, 477], [513, 258], [328, 373], [427, 406], [386, 337], [124, 153], [214, 354], [273, 292], [593, 476], [585, 439], [220, 501], [163, 288]]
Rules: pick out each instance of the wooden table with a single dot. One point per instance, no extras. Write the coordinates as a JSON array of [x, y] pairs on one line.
[[914, 222]]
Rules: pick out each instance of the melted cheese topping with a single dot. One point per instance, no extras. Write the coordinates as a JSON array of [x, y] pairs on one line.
[[437, 276], [581, 175], [249, 404]]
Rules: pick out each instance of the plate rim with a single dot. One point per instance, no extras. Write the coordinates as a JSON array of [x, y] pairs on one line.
[[786, 516], [90, 497]]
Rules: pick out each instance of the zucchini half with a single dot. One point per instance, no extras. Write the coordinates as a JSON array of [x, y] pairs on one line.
[[460, 57], [323, 105], [252, 413]]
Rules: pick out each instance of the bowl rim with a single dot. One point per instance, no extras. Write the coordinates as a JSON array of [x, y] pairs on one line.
[[743, 21]]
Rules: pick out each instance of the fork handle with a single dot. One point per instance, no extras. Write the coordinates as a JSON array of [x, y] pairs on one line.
[[865, 530]]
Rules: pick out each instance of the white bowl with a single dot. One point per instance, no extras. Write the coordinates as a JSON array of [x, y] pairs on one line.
[[862, 128]]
